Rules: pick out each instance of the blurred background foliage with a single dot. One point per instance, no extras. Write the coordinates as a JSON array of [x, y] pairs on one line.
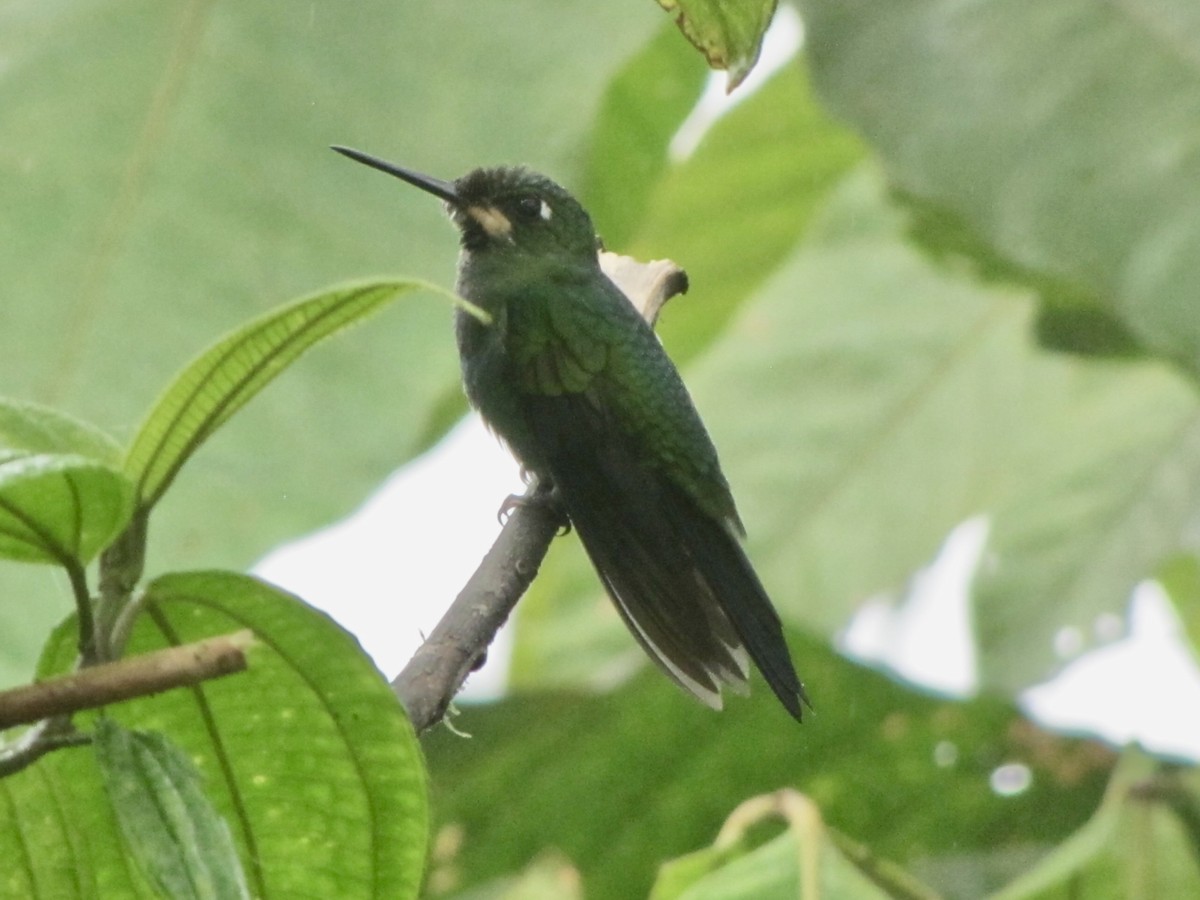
[[943, 265]]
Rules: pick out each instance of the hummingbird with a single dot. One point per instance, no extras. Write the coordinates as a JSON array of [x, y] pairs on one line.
[[572, 378]]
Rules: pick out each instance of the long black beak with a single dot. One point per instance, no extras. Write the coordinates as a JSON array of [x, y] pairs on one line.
[[435, 186]]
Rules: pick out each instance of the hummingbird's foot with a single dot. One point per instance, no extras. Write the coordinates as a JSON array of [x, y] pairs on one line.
[[541, 493], [511, 502]]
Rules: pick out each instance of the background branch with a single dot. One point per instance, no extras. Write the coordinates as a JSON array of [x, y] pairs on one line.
[[137, 676]]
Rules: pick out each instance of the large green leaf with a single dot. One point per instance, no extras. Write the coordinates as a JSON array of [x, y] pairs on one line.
[[621, 782], [1061, 134], [640, 113], [893, 400], [201, 190], [307, 755], [734, 210]]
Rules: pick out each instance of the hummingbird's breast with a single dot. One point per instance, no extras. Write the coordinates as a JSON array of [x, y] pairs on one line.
[[527, 298], [490, 383]]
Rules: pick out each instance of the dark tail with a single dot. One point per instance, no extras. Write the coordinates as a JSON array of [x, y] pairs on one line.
[[679, 578]]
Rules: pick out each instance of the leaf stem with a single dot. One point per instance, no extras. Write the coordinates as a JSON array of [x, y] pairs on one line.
[[88, 645]]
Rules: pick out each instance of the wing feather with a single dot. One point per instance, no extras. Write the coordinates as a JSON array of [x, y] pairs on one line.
[[678, 577]]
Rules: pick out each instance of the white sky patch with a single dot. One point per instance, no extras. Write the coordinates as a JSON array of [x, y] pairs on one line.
[[1139, 688], [928, 637], [390, 570], [782, 42], [1144, 687]]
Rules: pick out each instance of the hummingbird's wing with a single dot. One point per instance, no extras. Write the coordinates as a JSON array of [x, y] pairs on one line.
[[616, 506], [617, 433], [679, 578]]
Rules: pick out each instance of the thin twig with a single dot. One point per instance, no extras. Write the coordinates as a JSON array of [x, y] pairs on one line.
[[458, 645], [32, 745], [137, 676]]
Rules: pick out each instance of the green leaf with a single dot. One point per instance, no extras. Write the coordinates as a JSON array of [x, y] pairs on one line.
[[921, 390], [808, 859], [38, 429], [34, 599], [169, 826], [1062, 135], [308, 756], [227, 376], [642, 109], [728, 32], [1137, 844], [135, 232], [731, 214], [622, 781], [1068, 319], [57, 508]]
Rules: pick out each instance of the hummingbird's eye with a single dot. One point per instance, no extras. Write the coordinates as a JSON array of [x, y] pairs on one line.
[[534, 207]]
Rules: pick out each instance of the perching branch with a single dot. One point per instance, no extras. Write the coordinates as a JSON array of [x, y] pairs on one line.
[[458, 645]]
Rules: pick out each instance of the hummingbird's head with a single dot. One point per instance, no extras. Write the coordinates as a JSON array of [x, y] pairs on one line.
[[506, 210]]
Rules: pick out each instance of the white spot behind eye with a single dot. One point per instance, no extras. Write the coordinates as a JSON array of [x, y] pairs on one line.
[[545, 212]]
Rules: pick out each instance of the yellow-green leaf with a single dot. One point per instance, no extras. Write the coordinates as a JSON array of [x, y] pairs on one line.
[[728, 32], [226, 376]]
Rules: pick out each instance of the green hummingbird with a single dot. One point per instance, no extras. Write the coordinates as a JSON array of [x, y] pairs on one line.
[[576, 383]]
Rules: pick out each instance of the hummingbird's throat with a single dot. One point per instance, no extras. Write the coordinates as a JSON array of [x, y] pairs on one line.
[[491, 220]]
